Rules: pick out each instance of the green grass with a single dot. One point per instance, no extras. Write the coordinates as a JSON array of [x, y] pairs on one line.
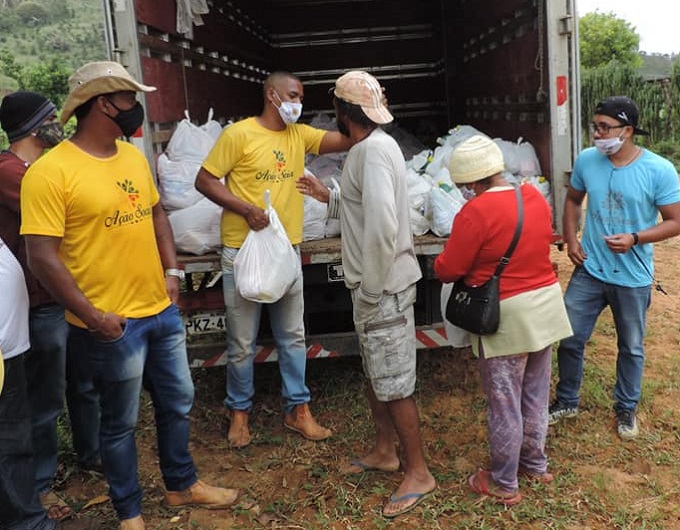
[[601, 482]]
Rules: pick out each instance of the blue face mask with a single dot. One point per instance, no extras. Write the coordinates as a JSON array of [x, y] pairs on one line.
[[289, 111]]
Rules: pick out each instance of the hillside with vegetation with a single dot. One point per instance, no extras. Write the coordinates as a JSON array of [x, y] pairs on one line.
[[48, 38], [656, 65]]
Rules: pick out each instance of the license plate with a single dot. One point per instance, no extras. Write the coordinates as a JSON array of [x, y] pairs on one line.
[[204, 323]]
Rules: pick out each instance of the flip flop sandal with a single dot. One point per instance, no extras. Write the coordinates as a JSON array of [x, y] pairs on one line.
[[482, 484], [417, 499], [55, 506], [365, 468]]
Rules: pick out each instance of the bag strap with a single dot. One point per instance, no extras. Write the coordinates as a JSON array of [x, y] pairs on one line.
[[515, 238]]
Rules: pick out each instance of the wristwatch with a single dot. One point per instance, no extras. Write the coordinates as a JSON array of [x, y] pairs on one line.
[[177, 273]]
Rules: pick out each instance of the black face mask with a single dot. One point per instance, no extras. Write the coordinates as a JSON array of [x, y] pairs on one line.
[[128, 120]]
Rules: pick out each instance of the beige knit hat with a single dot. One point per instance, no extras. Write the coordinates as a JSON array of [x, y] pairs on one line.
[[94, 79], [476, 158]]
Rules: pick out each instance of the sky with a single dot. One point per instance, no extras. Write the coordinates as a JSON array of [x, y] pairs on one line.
[[656, 21]]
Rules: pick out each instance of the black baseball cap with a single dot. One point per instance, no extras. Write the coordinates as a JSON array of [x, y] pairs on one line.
[[621, 108]]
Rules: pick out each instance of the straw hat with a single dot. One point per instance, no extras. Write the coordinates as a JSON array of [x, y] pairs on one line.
[[94, 79]]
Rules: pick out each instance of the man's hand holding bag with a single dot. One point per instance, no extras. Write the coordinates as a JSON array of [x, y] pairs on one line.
[[266, 265]]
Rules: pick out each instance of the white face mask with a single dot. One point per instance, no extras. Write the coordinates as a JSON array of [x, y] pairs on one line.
[[289, 111], [609, 146]]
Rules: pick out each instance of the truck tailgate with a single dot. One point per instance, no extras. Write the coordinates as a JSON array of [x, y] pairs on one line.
[[328, 307]]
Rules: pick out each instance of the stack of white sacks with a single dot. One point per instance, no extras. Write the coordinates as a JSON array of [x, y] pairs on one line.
[[195, 220], [433, 198]]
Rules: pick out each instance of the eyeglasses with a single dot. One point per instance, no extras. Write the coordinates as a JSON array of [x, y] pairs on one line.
[[604, 128]]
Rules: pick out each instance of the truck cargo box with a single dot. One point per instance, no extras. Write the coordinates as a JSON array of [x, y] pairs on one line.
[[506, 67]]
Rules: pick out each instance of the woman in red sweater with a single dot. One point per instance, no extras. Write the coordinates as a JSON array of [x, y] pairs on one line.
[[514, 363]]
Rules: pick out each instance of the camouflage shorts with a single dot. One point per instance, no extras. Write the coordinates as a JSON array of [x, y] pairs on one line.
[[387, 345]]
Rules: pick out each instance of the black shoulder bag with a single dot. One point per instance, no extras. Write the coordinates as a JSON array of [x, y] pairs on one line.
[[477, 309]]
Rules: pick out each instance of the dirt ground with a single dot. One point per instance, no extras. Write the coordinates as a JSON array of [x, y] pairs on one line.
[[288, 482]]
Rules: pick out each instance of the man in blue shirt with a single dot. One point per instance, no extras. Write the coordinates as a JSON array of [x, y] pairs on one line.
[[627, 187]]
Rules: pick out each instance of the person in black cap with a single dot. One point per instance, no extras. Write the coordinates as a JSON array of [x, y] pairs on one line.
[[627, 187], [29, 120]]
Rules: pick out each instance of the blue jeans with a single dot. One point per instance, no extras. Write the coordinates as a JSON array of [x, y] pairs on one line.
[[46, 376], [45, 365], [20, 507], [82, 400], [585, 299], [243, 323], [150, 353]]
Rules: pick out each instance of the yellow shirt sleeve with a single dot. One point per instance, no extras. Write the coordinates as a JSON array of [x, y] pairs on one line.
[[43, 201]]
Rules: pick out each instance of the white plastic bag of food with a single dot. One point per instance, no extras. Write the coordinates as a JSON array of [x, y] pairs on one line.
[[212, 127], [266, 266], [456, 337], [529, 166], [189, 142], [333, 224], [510, 155], [444, 207], [314, 220], [176, 182], [197, 228]]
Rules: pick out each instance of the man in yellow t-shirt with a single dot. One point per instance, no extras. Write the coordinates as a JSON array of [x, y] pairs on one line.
[[253, 155], [99, 240]]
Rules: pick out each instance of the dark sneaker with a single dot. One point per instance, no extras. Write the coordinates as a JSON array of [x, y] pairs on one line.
[[94, 467], [627, 424], [559, 410]]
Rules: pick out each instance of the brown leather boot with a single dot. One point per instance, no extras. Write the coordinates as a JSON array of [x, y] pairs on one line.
[[203, 495], [136, 523], [302, 421], [239, 435]]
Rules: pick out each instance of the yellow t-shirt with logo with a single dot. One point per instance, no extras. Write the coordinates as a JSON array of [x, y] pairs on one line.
[[101, 208], [255, 159]]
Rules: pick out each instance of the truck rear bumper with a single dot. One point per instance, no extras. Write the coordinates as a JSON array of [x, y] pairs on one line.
[[318, 347]]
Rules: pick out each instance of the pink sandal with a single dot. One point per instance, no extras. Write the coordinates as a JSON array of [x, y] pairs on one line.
[[482, 484]]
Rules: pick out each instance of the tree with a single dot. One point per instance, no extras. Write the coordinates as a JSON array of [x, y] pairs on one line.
[[8, 21], [603, 37], [32, 14], [9, 65], [49, 79]]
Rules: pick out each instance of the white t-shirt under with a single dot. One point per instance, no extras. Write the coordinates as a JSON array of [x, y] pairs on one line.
[[13, 306]]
